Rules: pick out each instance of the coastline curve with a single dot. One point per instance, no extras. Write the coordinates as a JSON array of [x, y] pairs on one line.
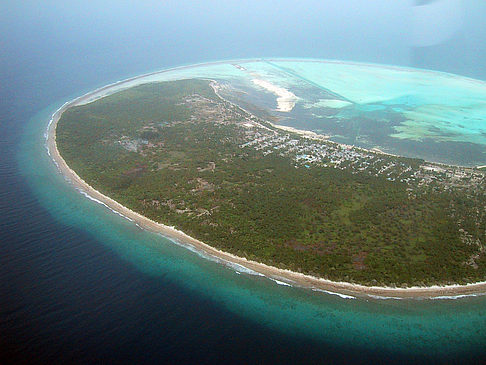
[[281, 276]]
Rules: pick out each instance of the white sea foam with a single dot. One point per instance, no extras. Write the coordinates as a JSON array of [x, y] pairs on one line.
[[105, 205], [240, 269], [279, 282], [46, 134], [191, 248], [458, 296], [177, 230], [383, 297], [441, 297], [344, 296], [91, 198]]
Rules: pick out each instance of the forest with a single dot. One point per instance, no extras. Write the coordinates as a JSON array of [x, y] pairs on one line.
[[175, 152]]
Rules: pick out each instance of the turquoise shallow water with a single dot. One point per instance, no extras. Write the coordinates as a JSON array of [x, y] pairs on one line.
[[439, 328], [419, 113], [433, 105]]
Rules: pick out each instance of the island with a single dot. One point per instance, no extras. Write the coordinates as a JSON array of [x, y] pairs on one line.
[[180, 158]]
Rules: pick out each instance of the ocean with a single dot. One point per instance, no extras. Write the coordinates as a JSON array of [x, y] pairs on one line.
[[81, 284]]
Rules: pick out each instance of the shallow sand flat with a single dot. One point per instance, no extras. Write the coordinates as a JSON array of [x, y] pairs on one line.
[[449, 102], [383, 82], [285, 99], [328, 103], [281, 275]]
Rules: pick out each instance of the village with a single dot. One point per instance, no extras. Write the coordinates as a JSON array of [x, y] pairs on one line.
[[309, 151]]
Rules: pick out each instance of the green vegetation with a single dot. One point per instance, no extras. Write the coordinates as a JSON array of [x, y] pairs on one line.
[[180, 155]]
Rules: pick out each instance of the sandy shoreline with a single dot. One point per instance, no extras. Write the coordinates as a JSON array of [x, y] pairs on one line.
[[346, 290]]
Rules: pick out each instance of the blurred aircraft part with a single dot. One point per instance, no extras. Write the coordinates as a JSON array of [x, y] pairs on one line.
[[435, 22]]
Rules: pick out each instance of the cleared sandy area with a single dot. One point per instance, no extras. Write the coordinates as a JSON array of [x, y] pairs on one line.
[[287, 277]]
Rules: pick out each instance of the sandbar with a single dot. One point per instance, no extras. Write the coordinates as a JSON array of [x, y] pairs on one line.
[[285, 99]]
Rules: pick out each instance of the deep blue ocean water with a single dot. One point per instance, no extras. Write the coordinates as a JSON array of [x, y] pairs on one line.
[[80, 284]]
